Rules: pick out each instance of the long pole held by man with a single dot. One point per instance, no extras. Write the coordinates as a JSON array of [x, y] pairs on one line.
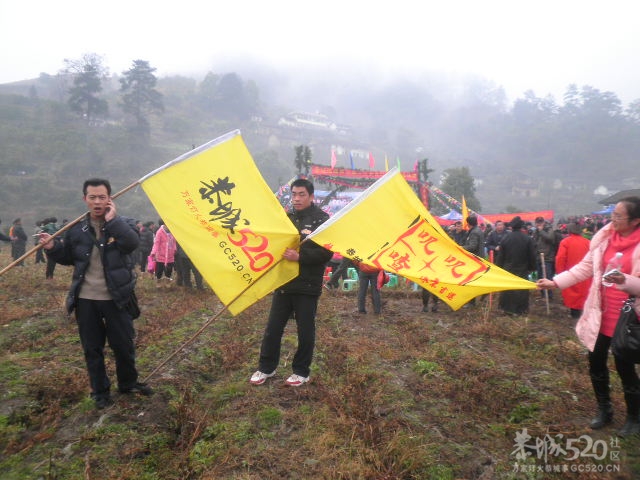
[[544, 275]]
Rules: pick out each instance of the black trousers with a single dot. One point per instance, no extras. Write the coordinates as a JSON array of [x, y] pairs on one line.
[[283, 305], [165, 269], [51, 266], [598, 365], [98, 321], [340, 272], [184, 267], [144, 256]]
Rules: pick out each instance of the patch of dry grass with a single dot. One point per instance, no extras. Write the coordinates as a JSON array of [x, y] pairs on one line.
[[404, 395]]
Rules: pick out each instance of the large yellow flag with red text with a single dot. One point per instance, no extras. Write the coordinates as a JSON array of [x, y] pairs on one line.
[[389, 228], [227, 220]]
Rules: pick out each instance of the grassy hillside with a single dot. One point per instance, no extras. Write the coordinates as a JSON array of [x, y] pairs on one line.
[[404, 395]]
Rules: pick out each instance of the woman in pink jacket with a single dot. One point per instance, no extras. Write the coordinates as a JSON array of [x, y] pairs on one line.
[[163, 251], [602, 309]]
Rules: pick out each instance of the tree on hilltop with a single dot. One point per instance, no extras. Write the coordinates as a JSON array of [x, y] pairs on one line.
[[88, 73], [458, 182], [139, 96]]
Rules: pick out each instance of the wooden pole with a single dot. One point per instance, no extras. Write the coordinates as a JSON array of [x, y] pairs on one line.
[[544, 275], [205, 325]]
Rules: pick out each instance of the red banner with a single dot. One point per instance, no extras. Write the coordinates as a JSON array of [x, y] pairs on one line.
[[525, 216], [341, 174]]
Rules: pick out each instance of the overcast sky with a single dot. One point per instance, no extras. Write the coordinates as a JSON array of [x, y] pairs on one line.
[[541, 45]]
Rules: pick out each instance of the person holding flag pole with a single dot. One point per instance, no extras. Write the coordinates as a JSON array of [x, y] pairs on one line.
[[102, 292], [299, 297]]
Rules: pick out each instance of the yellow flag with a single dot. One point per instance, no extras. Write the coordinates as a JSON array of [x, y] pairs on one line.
[[465, 214], [227, 220], [389, 228], [386, 163]]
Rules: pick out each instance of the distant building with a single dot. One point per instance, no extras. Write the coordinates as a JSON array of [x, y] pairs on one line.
[[525, 187], [307, 120]]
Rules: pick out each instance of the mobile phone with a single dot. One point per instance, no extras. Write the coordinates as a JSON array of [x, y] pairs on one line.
[[612, 273]]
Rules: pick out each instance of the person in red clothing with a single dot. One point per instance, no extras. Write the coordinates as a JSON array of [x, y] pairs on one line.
[[571, 250], [602, 310]]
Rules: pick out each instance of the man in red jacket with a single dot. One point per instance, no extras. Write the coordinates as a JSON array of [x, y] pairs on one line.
[[571, 250]]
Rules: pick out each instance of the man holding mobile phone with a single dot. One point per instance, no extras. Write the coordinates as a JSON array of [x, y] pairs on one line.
[[102, 291]]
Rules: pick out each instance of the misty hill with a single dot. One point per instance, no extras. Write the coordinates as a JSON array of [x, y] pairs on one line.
[[536, 153]]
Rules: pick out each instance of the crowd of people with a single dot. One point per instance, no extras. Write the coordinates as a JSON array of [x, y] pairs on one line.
[[169, 259], [530, 250], [105, 249]]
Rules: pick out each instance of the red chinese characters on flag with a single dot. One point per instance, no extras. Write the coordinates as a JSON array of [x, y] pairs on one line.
[[419, 254]]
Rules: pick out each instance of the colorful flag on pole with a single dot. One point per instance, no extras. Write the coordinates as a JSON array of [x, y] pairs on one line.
[[396, 233], [398, 163], [334, 160], [227, 220], [465, 214], [351, 160], [386, 163], [372, 162]]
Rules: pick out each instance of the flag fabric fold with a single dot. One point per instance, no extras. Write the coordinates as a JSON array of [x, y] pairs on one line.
[[227, 220], [397, 234]]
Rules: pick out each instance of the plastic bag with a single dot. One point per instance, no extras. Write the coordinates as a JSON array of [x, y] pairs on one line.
[[151, 264]]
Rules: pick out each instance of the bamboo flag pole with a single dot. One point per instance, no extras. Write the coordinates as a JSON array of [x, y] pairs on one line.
[[62, 230], [544, 275], [206, 324], [489, 305]]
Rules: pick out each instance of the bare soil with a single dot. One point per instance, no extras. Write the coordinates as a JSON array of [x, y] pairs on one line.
[[402, 395]]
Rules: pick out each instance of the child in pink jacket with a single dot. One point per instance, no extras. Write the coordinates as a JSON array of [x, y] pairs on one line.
[[164, 251]]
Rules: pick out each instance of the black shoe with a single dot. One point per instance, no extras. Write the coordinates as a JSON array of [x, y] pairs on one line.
[[103, 402], [139, 388], [630, 427], [603, 418]]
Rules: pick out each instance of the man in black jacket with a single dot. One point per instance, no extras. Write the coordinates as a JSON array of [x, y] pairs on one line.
[[18, 241], [298, 297], [102, 289]]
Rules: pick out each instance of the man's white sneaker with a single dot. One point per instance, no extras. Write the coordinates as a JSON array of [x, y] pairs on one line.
[[296, 380], [259, 377]]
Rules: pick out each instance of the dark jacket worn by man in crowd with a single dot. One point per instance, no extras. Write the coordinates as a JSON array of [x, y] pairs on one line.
[[102, 289], [474, 242], [18, 240], [298, 298]]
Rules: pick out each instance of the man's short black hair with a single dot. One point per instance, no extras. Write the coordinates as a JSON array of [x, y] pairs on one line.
[[472, 220], [303, 182], [96, 182]]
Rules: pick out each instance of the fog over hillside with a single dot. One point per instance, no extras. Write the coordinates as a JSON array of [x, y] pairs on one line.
[[529, 152]]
